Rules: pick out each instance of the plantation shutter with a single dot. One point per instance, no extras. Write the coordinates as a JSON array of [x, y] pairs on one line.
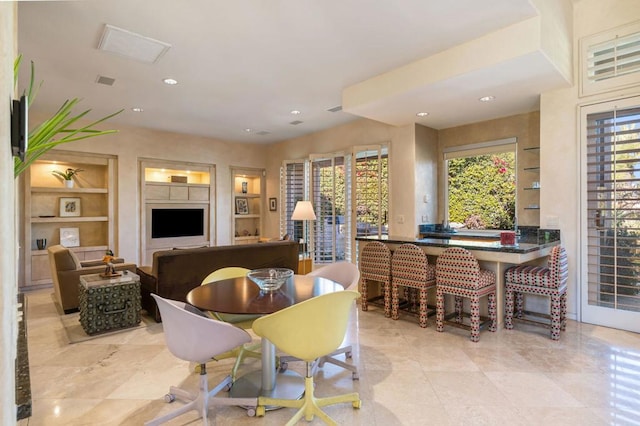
[[371, 190], [293, 188], [613, 209], [614, 58], [329, 202]]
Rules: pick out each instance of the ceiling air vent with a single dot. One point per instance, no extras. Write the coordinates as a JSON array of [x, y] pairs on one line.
[[263, 133], [335, 109], [296, 122], [107, 81], [132, 45]]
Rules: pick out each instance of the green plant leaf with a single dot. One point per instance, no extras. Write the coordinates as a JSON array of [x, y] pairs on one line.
[[43, 136]]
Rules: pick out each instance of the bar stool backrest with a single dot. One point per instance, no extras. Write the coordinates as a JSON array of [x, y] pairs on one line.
[[457, 267], [409, 264], [558, 266], [375, 262]]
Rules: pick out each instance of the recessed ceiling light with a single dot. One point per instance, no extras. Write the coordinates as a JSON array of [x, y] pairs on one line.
[[295, 112], [487, 98], [422, 114], [170, 81], [137, 109], [248, 130]]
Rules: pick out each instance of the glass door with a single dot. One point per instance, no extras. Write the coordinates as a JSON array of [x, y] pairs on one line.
[[611, 214]]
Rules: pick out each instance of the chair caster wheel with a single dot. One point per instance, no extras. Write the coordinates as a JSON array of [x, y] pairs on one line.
[[283, 367], [357, 404], [260, 410], [251, 412], [348, 355], [355, 376], [168, 398]]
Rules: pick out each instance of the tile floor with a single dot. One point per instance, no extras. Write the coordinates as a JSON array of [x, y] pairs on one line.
[[408, 376]]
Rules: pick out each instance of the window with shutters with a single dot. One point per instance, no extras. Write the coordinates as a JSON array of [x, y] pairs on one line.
[[610, 60], [350, 194], [328, 180], [294, 187], [613, 208]]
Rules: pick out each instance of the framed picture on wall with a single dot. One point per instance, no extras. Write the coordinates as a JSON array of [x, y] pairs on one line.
[[273, 204], [242, 206], [70, 237], [69, 206]]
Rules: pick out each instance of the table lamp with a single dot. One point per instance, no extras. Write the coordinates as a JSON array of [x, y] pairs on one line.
[[304, 212]]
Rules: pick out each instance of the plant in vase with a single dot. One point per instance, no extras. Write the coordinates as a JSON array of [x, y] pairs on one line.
[[67, 176]]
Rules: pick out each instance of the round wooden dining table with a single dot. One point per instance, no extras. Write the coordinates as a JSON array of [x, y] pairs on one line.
[[243, 296]]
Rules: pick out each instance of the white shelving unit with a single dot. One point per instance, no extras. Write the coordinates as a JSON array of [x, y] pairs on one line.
[[93, 190], [248, 204], [175, 185]]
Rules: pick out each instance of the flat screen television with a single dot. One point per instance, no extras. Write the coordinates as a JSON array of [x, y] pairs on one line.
[[20, 127], [177, 222]]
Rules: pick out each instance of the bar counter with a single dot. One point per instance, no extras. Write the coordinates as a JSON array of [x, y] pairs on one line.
[[490, 254]]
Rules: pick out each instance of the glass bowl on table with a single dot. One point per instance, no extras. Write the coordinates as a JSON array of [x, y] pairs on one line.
[[270, 279]]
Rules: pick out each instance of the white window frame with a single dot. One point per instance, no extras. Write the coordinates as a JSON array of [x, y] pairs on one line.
[[474, 150]]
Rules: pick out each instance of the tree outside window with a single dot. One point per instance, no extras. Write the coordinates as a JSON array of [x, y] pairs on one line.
[[482, 191]]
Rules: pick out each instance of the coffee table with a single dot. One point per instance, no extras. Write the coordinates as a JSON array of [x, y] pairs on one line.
[[242, 296], [109, 303]]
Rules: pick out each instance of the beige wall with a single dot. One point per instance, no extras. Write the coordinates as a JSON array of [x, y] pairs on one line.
[[560, 136], [131, 144], [426, 184], [8, 220], [361, 132]]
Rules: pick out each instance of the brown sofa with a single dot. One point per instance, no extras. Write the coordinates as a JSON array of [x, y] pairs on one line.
[[175, 272], [66, 269]]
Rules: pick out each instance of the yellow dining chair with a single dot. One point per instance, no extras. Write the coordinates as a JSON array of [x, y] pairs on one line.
[[239, 320], [309, 330], [347, 275]]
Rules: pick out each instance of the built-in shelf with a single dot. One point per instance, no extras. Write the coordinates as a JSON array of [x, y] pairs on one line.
[[533, 148], [248, 197], [43, 200], [532, 169], [531, 188], [70, 190], [69, 219], [532, 208]]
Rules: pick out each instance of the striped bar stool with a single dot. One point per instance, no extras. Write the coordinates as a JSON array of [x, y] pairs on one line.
[[375, 265], [410, 268], [543, 281], [458, 273]]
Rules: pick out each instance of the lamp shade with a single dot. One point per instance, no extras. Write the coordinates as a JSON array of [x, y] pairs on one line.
[[303, 211]]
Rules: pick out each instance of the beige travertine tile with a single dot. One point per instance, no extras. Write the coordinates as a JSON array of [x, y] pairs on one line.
[[408, 375]]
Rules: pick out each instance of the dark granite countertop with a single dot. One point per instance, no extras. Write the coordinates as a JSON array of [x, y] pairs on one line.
[[525, 245]]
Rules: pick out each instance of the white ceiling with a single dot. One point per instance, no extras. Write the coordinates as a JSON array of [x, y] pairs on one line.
[[247, 63]]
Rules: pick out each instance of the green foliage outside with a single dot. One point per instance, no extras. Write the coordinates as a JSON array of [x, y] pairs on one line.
[[482, 191]]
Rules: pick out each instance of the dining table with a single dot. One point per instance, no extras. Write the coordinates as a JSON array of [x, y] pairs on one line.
[[243, 296]]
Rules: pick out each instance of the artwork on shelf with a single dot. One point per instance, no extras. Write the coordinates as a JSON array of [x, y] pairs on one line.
[[69, 206], [273, 204], [242, 206], [70, 237]]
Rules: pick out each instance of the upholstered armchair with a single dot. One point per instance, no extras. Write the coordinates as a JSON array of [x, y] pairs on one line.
[[66, 269]]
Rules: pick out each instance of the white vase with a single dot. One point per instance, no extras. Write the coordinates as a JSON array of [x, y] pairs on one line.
[[68, 183]]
